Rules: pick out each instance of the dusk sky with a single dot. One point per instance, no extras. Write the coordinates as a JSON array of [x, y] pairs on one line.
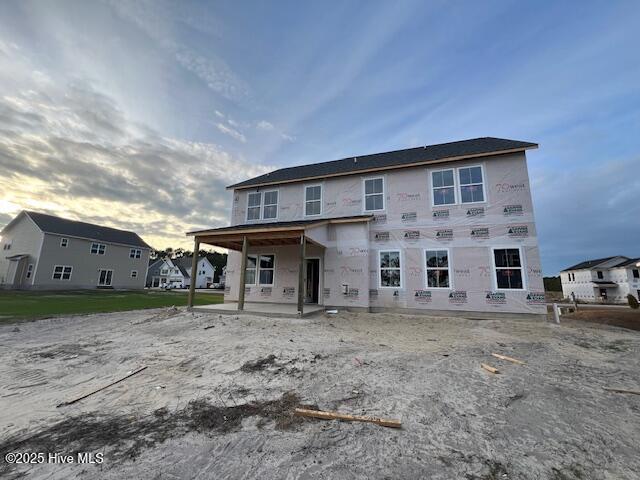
[[137, 114]]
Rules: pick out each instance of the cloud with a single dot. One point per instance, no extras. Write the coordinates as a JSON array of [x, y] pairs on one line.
[[264, 125], [73, 152], [233, 133]]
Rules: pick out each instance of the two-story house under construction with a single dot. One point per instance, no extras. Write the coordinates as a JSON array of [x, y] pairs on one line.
[[441, 228]]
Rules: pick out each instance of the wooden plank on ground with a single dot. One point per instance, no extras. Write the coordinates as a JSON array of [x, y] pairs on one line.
[[489, 368], [622, 390], [508, 359], [70, 402], [385, 422]]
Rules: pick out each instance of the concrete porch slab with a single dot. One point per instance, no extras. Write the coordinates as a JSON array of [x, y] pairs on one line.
[[258, 308]]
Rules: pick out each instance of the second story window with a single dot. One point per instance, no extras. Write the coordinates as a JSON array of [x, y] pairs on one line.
[[270, 205], [636, 273], [373, 194], [313, 200], [443, 185], [135, 253], [7, 246], [98, 248], [600, 275], [471, 184], [64, 242], [254, 201]]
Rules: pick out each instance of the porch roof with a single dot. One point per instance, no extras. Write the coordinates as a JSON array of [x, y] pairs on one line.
[[273, 233]]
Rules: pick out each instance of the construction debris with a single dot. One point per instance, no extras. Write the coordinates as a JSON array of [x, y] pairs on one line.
[[509, 359], [489, 368], [621, 390], [131, 374], [384, 422]]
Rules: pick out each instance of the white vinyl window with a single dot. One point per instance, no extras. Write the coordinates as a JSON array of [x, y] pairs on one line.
[[134, 274], [250, 270], [471, 184], [374, 194], [390, 269], [64, 242], [254, 204], [98, 248], [312, 200], [443, 186], [270, 209], [135, 253], [7, 246], [507, 263], [164, 271], [437, 268], [267, 268], [104, 277], [30, 270], [62, 272]]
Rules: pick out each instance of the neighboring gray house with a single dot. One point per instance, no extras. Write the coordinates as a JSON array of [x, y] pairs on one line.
[[164, 273], [40, 251], [607, 280], [205, 274]]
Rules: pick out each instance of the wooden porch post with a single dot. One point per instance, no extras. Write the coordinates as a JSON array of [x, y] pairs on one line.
[[243, 271], [194, 272], [301, 276]]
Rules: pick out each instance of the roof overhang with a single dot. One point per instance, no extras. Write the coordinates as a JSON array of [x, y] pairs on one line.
[[281, 233], [389, 167]]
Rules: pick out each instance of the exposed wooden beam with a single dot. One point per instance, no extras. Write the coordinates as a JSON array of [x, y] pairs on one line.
[[194, 267], [243, 272]]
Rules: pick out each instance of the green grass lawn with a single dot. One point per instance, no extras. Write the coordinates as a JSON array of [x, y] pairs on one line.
[[28, 305]]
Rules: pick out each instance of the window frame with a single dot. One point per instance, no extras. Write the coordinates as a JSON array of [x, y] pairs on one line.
[[426, 268], [599, 274], [433, 188], [365, 194], [259, 269], [134, 272], [63, 267], [110, 284], [259, 207], [380, 268], [29, 272], [484, 192], [635, 273], [255, 276], [135, 253], [64, 242], [522, 268], [305, 214], [97, 252], [264, 205]]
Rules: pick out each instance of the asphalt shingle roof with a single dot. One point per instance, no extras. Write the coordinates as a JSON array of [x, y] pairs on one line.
[[398, 158], [589, 263], [73, 228]]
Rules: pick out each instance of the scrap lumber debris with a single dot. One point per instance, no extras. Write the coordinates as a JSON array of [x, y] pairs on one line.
[[621, 390], [509, 359], [489, 368], [208, 327], [63, 404], [384, 422]]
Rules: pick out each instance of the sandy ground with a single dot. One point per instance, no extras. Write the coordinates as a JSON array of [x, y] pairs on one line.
[[210, 404]]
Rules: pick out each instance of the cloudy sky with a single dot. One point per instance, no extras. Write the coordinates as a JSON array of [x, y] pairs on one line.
[[138, 114]]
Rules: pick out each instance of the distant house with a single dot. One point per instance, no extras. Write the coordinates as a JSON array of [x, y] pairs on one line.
[[39, 251], [608, 279], [205, 270], [164, 273]]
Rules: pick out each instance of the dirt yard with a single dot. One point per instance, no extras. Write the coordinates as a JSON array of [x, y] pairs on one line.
[[217, 402]]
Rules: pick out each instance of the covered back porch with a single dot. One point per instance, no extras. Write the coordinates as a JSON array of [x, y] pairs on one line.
[[298, 249]]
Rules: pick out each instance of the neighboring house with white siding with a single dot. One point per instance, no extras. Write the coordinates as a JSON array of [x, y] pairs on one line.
[[605, 280], [205, 271], [40, 251]]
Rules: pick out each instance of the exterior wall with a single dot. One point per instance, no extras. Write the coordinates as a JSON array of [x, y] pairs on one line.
[[202, 279], [25, 238], [411, 223], [86, 265]]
